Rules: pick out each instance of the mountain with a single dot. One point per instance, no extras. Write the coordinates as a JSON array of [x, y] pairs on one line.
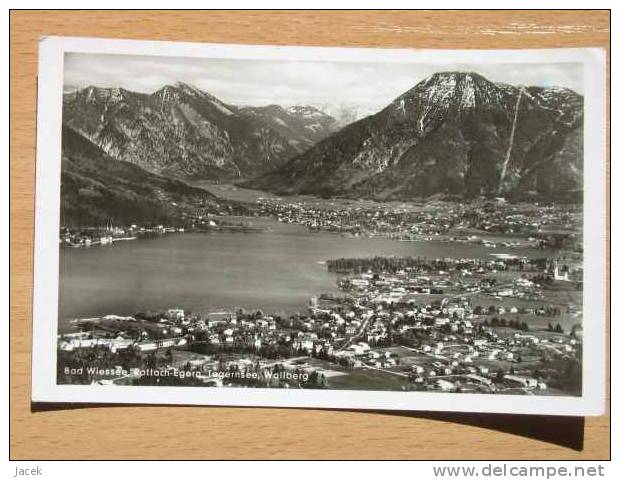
[[452, 134], [303, 126], [183, 131], [345, 113], [97, 189]]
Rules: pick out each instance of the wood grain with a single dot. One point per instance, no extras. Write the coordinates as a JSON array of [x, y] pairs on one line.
[[203, 432]]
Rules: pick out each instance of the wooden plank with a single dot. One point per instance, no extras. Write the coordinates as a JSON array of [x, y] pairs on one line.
[[203, 432]]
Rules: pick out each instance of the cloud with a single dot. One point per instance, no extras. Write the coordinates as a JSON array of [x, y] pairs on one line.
[[262, 82]]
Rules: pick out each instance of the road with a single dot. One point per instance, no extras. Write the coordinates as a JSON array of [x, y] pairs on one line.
[[386, 371], [359, 333]]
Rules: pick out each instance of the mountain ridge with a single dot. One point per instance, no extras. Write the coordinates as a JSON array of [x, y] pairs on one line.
[[449, 134], [97, 188], [182, 131]]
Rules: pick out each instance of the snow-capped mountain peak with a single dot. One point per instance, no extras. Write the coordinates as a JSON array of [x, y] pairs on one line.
[[453, 132]]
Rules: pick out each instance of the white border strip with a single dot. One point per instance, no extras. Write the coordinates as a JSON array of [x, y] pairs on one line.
[[45, 308]]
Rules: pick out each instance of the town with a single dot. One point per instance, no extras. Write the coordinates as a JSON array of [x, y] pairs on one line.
[[490, 222], [108, 235], [510, 325]]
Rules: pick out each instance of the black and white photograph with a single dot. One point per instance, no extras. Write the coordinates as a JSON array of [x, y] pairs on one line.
[[329, 227]]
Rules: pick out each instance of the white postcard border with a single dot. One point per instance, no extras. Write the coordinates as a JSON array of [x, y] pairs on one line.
[[47, 215]]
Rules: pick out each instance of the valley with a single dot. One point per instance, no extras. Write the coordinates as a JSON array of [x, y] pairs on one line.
[[435, 245]]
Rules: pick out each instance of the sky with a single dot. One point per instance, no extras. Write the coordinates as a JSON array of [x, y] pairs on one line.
[[262, 82]]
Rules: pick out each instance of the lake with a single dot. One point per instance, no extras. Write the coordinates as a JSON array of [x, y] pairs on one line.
[[276, 271]]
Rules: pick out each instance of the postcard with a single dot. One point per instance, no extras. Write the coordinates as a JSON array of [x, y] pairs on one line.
[[320, 227]]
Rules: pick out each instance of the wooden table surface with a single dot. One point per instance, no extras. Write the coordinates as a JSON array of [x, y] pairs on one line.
[[206, 432]]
